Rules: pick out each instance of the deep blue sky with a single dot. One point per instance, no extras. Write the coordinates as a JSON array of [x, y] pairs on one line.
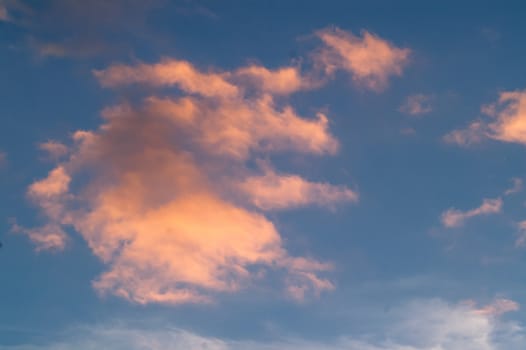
[[389, 249]]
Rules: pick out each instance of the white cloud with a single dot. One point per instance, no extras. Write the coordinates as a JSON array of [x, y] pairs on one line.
[[419, 325]]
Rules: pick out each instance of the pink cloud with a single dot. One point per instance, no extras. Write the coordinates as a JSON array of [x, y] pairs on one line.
[[454, 217], [54, 149], [282, 81], [168, 72], [274, 191], [50, 237], [498, 307], [161, 202], [370, 60], [506, 122]]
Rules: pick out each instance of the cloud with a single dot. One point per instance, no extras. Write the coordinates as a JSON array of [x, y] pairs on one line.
[[160, 190], [419, 325], [168, 72], [517, 186], [275, 191], [54, 149], [521, 239], [498, 307], [506, 122], [370, 60], [282, 81], [417, 104], [465, 137], [454, 217]]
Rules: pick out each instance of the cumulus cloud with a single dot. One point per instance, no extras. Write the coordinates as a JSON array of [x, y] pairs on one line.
[[505, 121], [162, 190], [419, 325], [370, 60], [454, 217], [417, 104]]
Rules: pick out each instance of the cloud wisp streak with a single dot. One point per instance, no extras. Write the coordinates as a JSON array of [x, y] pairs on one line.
[[455, 218]]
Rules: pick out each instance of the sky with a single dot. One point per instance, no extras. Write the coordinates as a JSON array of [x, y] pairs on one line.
[[262, 175]]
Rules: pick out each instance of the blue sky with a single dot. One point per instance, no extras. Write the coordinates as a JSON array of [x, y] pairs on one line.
[[262, 175]]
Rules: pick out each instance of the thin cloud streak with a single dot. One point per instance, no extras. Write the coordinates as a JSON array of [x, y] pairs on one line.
[[455, 218]]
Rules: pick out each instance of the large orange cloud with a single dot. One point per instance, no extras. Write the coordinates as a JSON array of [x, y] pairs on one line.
[[162, 193]]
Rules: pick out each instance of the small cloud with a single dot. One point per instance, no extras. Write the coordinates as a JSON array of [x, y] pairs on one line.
[[54, 149], [506, 123], [455, 218], [498, 307], [416, 105], [466, 137], [516, 187], [65, 49], [370, 60], [275, 192]]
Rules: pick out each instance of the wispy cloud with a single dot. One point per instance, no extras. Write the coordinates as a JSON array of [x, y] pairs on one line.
[[498, 307], [517, 186], [370, 60], [54, 149], [165, 199], [419, 325], [454, 217], [416, 105]]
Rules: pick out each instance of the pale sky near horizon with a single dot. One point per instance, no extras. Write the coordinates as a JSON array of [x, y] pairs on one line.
[[262, 175]]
